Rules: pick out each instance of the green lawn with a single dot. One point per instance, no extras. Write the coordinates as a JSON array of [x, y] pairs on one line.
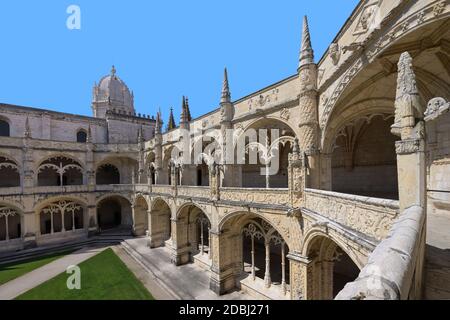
[[14, 270], [103, 277]]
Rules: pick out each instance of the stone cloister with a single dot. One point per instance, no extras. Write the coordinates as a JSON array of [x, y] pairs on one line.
[[361, 143]]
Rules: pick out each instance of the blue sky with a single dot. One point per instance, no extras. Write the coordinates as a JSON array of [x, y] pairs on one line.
[[161, 49]]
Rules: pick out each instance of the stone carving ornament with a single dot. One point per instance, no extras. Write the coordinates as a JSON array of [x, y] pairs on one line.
[[435, 108], [335, 53]]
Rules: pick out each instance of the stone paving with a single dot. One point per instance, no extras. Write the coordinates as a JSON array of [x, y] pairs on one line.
[[187, 282], [437, 267]]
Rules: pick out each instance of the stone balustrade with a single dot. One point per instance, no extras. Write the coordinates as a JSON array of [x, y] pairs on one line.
[[194, 192], [162, 189], [394, 267], [370, 216], [278, 197]]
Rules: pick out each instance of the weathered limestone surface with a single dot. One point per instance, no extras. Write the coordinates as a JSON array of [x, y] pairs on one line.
[[390, 271]]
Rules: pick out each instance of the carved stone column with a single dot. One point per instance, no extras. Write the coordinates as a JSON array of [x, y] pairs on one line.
[[296, 176], [173, 178], [151, 243], [223, 278], [28, 173], [214, 181], [133, 218], [410, 149], [180, 247], [89, 177], [267, 277], [300, 268], [30, 229], [411, 160], [309, 121]]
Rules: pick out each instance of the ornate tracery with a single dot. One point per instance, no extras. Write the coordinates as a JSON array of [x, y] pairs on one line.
[[264, 231], [61, 208], [7, 212]]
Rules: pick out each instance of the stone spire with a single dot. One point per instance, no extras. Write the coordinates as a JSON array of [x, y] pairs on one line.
[[171, 124], [27, 132], [226, 95], [158, 125], [306, 53], [185, 116], [113, 70], [226, 106], [188, 111]]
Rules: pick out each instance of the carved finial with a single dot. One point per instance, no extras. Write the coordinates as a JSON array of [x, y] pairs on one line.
[[406, 82], [407, 101], [183, 116], [113, 70], [226, 95], [188, 111], [171, 124], [158, 126], [306, 53], [27, 132], [89, 135]]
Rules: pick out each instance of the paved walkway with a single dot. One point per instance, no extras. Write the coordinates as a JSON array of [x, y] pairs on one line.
[[437, 267], [187, 282], [16, 287]]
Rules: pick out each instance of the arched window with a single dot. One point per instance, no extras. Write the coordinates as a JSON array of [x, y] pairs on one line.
[[60, 171], [4, 129], [107, 174], [81, 136], [9, 173]]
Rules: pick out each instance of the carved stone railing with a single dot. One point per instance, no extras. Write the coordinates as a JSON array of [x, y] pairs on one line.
[[194, 191], [394, 269], [261, 196], [370, 216], [161, 189], [141, 188], [10, 191], [115, 188]]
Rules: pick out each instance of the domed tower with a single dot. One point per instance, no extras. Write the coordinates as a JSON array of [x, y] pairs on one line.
[[112, 94]]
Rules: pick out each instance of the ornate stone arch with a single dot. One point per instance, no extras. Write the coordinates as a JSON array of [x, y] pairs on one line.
[[315, 233], [155, 200], [127, 197], [11, 158], [248, 216], [361, 109], [60, 155], [378, 45], [194, 204], [42, 204], [139, 195]]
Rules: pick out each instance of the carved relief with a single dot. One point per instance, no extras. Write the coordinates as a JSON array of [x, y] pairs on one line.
[[277, 197], [335, 53], [285, 114], [365, 19], [435, 108], [428, 13], [263, 100], [371, 219]]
